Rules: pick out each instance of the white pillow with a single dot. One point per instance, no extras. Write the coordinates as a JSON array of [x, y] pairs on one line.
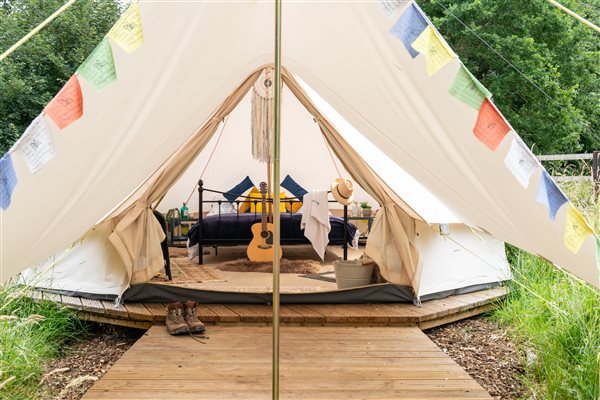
[[226, 206]]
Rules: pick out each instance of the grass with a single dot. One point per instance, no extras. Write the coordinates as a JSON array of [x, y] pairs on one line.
[[556, 318], [30, 334]]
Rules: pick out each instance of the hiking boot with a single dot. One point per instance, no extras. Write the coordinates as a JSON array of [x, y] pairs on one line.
[[191, 317], [175, 321]]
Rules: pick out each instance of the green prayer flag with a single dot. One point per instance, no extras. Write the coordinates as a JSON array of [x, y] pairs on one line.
[[99, 68], [468, 89]]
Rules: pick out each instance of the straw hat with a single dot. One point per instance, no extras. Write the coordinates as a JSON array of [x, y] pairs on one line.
[[343, 191]]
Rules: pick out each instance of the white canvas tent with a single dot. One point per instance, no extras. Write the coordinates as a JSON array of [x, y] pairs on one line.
[[138, 136]]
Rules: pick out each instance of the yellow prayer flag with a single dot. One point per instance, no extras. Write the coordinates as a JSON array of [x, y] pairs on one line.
[[436, 50], [127, 32], [576, 229]]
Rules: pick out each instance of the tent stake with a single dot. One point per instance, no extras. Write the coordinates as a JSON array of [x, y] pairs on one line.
[[276, 180]]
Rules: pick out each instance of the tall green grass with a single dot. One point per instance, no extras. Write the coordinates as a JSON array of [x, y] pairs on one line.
[[30, 334], [556, 318]]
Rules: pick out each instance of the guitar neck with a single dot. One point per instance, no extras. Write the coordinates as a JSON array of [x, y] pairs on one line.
[[264, 212]]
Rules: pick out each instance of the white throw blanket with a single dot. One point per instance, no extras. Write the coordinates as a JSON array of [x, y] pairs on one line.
[[315, 220]]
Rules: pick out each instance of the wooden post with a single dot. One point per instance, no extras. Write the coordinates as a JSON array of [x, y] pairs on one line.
[[276, 216], [596, 173]]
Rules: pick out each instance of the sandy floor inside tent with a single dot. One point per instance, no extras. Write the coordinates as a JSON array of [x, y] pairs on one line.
[[209, 277]]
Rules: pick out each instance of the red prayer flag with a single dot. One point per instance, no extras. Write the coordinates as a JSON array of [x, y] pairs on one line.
[[490, 127], [67, 106]]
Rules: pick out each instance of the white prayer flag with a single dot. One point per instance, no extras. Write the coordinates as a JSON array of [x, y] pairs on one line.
[[520, 162], [389, 7], [36, 145]]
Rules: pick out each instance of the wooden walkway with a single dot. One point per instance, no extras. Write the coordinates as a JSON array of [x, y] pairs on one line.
[[234, 362], [431, 313]]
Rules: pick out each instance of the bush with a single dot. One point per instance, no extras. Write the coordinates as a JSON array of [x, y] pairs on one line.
[[30, 333]]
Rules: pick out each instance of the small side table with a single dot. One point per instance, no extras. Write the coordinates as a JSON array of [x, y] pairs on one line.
[[369, 224], [176, 232]]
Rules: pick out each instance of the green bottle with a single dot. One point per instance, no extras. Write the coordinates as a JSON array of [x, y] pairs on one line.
[[184, 212]]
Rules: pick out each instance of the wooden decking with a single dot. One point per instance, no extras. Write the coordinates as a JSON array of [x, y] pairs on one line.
[[431, 313], [234, 362]]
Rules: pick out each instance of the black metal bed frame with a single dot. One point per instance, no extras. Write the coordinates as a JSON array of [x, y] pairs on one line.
[[255, 201]]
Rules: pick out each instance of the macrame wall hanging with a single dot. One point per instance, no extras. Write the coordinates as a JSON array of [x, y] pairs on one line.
[[263, 124]]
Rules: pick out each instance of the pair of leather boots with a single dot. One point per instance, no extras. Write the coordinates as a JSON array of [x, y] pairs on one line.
[[182, 318]]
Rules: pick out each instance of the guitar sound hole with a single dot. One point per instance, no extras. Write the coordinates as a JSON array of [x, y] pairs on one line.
[[264, 234]]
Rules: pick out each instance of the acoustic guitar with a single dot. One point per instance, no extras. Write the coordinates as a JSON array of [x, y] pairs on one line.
[[261, 246]]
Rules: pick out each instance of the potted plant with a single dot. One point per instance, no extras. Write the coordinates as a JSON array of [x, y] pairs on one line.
[[366, 209]]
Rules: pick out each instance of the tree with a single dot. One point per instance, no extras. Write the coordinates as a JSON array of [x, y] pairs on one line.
[[555, 51], [34, 73]]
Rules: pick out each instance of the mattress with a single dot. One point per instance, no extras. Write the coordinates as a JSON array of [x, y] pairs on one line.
[[234, 229]]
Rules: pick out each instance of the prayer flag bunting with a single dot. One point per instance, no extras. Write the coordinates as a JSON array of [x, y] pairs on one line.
[[468, 89], [99, 68], [409, 26], [490, 127], [576, 230], [67, 106], [389, 7], [127, 32], [550, 195], [36, 145], [598, 252], [438, 53], [8, 180], [520, 162]]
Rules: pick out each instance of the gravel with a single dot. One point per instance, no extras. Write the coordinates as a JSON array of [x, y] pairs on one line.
[[483, 349]]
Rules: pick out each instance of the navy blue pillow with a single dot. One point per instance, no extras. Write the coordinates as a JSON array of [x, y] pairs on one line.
[[239, 189], [293, 187]]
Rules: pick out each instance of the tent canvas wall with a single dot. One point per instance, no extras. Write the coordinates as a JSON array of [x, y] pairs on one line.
[[462, 259], [194, 64]]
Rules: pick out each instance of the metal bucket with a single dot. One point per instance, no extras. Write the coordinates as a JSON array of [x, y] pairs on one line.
[[353, 273]]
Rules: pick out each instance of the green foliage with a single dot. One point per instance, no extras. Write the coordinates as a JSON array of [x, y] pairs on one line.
[[30, 333], [558, 53], [556, 318], [365, 204], [35, 72]]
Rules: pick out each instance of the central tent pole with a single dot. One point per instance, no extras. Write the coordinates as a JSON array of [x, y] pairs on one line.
[[276, 180]]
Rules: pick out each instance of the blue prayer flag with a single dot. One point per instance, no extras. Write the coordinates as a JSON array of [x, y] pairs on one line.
[[409, 26], [550, 194], [8, 180]]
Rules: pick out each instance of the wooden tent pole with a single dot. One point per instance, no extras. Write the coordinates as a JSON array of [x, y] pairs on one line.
[[276, 220]]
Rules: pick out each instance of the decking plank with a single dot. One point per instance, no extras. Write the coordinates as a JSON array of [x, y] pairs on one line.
[[92, 306], [316, 363], [224, 313], [246, 313], [138, 311], [448, 309], [330, 314], [72, 302], [115, 310], [308, 315], [157, 310]]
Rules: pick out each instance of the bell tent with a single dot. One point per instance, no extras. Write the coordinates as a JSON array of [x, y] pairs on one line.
[[371, 93]]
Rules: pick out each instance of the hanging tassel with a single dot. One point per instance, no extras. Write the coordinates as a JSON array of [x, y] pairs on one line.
[[263, 124]]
